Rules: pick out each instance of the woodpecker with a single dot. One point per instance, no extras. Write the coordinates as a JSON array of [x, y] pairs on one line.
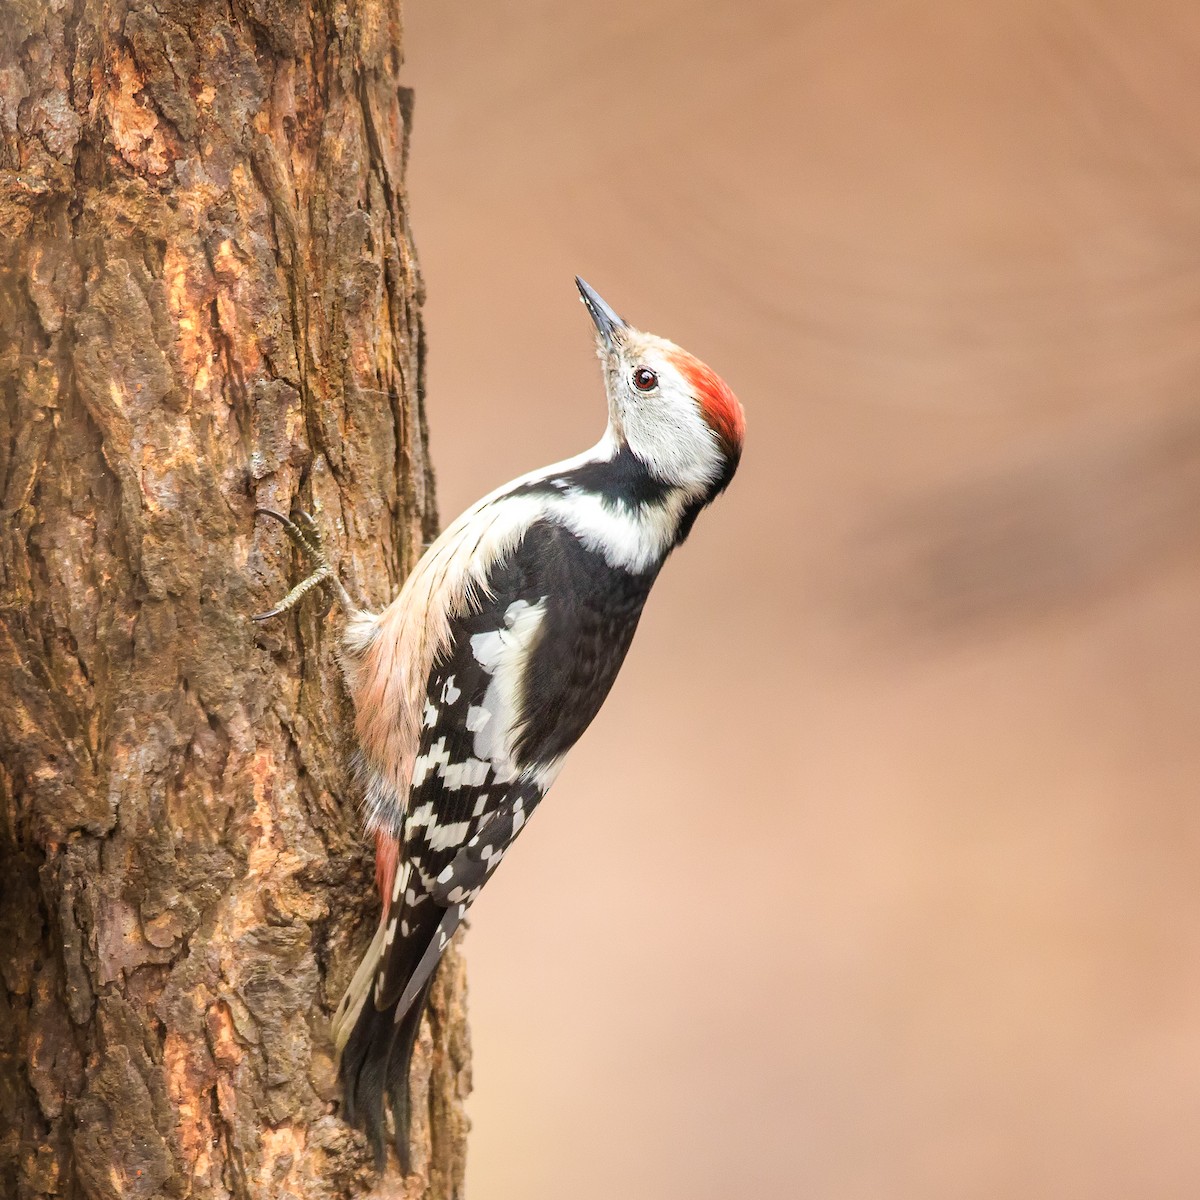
[[473, 684]]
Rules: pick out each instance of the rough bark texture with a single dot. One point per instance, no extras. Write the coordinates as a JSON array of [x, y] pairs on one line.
[[208, 301]]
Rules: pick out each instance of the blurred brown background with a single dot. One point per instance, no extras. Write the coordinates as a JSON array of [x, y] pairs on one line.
[[879, 874]]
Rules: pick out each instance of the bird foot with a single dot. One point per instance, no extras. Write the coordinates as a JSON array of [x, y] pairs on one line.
[[306, 537]]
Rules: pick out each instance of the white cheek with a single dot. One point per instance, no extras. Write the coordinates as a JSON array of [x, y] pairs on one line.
[[669, 435]]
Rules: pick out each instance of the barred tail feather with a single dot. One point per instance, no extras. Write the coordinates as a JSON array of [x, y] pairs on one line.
[[359, 991]]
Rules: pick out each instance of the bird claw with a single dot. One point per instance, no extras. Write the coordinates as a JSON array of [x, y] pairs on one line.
[[305, 535], [307, 540]]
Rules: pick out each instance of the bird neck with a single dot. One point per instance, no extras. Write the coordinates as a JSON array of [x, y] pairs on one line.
[[615, 506]]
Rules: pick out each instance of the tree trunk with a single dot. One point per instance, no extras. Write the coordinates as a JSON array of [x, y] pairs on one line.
[[209, 302]]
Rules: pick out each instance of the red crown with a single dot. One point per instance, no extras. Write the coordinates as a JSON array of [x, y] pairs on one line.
[[721, 408]]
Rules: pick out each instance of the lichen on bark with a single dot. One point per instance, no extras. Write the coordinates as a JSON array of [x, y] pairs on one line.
[[209, 301]]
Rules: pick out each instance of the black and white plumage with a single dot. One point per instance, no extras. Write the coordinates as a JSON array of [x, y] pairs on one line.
[[471, 687]]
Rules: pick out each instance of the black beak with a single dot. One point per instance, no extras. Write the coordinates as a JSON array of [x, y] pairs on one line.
[[608, 325]]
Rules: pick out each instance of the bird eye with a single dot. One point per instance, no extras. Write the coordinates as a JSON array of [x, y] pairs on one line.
[[644, 379]]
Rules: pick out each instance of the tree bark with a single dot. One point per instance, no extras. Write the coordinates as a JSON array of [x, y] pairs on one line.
[[208, 302]]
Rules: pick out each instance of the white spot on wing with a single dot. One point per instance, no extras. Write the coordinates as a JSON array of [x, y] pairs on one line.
[[401, 881], [503, 654], [543, 776], [443, 837], [421, 816], [471, 773], [438, 756]]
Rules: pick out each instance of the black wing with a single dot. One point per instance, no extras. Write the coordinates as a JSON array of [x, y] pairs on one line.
[[523, 677]]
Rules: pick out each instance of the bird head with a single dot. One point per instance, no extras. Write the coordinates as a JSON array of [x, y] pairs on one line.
[[673, 412]]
